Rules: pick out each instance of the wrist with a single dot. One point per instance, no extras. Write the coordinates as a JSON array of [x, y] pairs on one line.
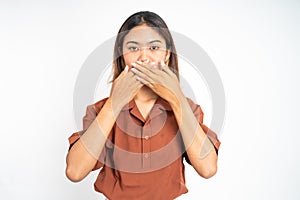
[[114, 106], [178, 102]]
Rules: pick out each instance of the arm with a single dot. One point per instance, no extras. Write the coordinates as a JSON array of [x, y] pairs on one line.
[[199, 148], [84, 153]]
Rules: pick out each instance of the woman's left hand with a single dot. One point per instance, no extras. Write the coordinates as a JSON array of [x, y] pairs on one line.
[[160, 78]]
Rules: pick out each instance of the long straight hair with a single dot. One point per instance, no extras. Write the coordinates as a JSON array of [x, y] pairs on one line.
[[152, 20]]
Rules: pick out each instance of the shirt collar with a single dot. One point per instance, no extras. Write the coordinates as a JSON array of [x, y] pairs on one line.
[[160, 103]]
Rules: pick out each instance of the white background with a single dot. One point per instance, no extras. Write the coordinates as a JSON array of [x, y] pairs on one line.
[[254, 45]]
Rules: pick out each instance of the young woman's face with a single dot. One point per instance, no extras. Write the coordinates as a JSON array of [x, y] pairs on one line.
[[144, 44]]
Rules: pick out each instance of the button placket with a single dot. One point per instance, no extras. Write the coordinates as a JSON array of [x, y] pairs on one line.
[[146, 146]]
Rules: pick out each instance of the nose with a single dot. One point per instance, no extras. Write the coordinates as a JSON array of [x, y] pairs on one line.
[[144, 55]]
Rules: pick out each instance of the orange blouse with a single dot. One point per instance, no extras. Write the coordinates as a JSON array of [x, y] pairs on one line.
[[142, 159]]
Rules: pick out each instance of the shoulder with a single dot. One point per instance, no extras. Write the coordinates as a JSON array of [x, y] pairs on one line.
[[96, 107], [194, 106]]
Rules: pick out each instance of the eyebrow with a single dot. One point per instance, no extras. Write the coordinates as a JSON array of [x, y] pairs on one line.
[[134, 42]]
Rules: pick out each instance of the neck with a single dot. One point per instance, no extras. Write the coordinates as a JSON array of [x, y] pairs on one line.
[[145, 94]]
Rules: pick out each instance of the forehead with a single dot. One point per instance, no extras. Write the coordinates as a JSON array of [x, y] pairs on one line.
[[143, 34]]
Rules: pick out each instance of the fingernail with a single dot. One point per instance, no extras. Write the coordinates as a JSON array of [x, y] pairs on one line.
[[162, 63], [147, 61], [139, 62], [138, 78], [153, 64], [133, 64], [133, 69], [126, 68]]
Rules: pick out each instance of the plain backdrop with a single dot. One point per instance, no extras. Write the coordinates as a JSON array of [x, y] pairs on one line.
[[254, 45]]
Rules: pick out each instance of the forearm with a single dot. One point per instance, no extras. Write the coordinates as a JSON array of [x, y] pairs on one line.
[[84, 154], [199, 148]]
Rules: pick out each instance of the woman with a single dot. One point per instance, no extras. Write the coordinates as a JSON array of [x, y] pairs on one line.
[[139, 135]]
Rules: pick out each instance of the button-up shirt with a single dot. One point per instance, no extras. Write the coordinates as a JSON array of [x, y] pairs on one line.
[[143, 159]]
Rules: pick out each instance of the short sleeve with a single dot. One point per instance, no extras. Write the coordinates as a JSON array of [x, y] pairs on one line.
[[212, 136], [91, 113]]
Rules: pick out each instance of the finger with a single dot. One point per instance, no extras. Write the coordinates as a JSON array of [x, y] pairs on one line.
[[145, 73], [132, 80], [150, 68], [168, 69], [125, 70], [135, 86], [156, 69], [142, 75], [153, 65], [129, 74], [144, 81], [123, 73], [165, 68]]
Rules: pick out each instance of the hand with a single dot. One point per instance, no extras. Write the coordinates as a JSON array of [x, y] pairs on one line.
[[160, 78], [124, 88]]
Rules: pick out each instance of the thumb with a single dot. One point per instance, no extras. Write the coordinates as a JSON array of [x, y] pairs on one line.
[[120, 76], [123, 72], [126, 69]]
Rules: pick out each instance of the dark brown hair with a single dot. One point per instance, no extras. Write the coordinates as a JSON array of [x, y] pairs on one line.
[[152, 20]]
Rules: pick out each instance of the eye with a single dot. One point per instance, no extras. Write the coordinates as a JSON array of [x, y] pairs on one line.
[[153, 48], [132, 48]]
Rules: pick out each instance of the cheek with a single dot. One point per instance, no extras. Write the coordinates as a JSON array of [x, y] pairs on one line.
[[157, 59], [161, 55], [130, 58]]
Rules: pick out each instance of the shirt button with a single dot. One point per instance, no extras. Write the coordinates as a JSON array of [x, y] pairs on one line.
[[146, 137], [146, 155]]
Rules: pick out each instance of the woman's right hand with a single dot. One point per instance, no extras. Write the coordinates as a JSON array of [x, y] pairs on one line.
[[83, 155], [124, 88]]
